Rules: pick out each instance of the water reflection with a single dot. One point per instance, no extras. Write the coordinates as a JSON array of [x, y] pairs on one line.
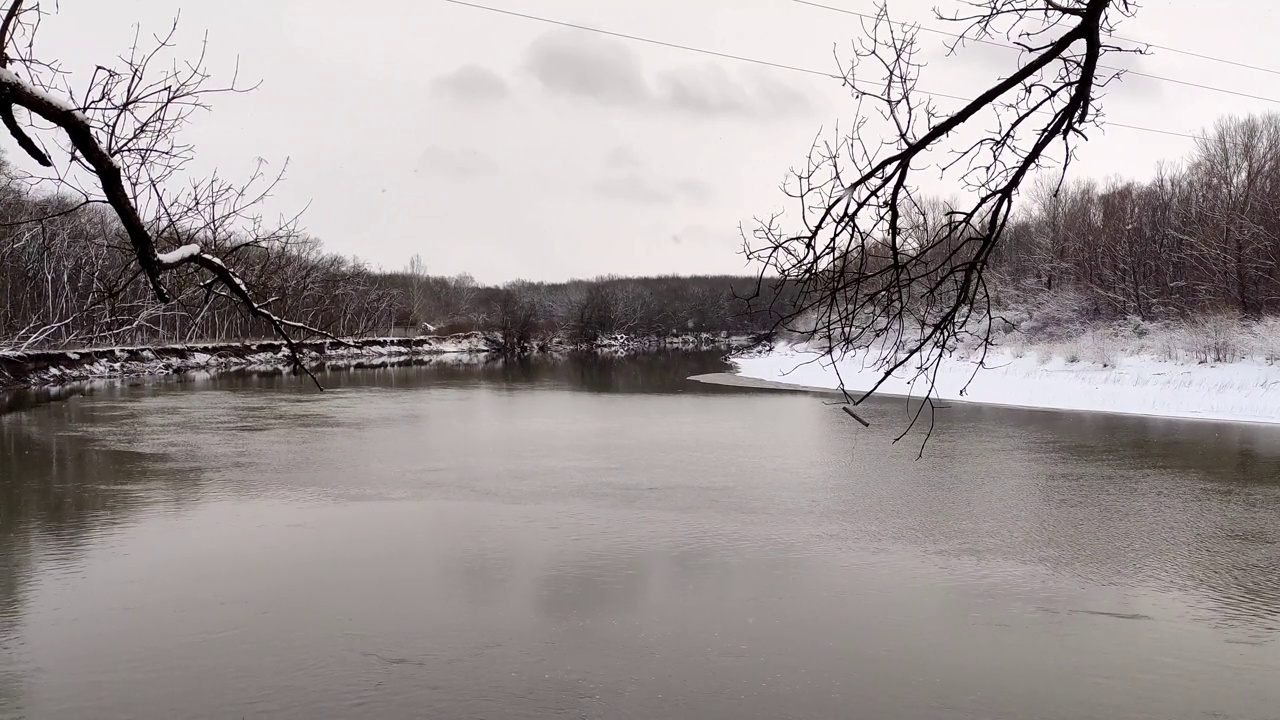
[[598, 537], [60, 490], [1116, 501]]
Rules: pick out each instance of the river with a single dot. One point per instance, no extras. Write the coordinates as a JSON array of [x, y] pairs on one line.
[[602, 538]]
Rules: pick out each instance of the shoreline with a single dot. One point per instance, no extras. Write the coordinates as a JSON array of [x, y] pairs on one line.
[[1242, 392], [31, 369], [20, 397], [728, 379], [43, 368]]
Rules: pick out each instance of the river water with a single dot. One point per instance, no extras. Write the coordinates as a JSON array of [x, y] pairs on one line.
[[603, 539]]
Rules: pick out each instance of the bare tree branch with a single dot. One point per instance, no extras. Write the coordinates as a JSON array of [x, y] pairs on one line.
[[886, 273], [124, 130]]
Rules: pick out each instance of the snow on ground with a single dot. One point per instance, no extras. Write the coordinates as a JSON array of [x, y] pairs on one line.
[[1247, 390]]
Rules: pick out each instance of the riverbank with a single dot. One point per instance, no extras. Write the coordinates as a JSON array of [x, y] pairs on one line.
[[1247, 390], [44, 367], [53, 367]]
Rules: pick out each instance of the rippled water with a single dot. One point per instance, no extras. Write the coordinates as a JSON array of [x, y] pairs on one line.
[[602, 539]]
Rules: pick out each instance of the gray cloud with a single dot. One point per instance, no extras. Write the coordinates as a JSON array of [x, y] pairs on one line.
[[544, 232], [780, 97], [705, 90], [703, 235], [711, 90], [472, 83], [456, 164], [695, 191], [632, 188], [621, 158], [635, 188], [582, 65], [609, 72]]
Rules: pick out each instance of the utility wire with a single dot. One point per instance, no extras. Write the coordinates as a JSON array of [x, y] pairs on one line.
[[637, 38], [756, 61], [1166, 48], [1189, 53], [1155, 130], [996, 43]]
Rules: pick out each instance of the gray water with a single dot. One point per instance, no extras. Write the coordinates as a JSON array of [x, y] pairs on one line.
[[603, 539]]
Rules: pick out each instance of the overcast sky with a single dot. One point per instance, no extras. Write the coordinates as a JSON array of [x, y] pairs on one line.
[[509, 148]]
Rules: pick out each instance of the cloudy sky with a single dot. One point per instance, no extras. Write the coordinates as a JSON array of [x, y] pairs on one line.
[[510, 148]]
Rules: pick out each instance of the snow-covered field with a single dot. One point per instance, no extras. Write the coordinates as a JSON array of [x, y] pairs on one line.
[[1246, 390]]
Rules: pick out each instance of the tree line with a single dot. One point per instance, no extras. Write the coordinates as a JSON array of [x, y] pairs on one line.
[[586, 311], [1201, 237], [68, 279]]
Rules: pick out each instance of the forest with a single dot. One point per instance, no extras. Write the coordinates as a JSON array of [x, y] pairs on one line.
[[1195, 247], [68, 280], [1201, 237]]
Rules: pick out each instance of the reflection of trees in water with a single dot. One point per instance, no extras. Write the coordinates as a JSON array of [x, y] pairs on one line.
[[1240, 456], [1188, 507], [1182, 507], [659, 372], [656, 371], [58, 490], [13, 573], [638, 372], [644, 371], [1216, 488]]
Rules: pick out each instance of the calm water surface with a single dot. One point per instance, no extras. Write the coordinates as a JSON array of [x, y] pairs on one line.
[[602, 539]]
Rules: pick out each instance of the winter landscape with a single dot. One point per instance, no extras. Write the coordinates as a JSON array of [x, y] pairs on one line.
[[1220, 370], [888, 359]]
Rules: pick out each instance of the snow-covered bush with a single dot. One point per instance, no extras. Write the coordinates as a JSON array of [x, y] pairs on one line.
[[1214, 338]]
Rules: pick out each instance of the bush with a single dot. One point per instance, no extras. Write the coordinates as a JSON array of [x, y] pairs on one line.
[[1215, 338]]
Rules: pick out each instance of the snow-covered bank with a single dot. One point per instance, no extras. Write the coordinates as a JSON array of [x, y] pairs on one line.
[[623, 342], [1245, 391], [46, 367], [60, 366]]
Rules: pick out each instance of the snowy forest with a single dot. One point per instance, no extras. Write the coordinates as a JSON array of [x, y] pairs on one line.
[[1201, 237], [69, 280]]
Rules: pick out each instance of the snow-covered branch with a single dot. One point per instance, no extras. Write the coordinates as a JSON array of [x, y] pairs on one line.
[[123, 130]]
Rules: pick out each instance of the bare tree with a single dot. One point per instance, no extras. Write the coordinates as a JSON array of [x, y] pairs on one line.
[[117, 141], [871, 276], [515, 314], [418, 280]]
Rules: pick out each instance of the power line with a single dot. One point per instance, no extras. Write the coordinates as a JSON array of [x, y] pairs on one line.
[[1189, 53], [868, 16], [742, 58], [996, 43], [637, 38], [1166, 48], [1154, 130]]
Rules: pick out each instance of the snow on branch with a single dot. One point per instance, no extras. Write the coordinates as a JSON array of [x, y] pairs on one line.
[[175, 258], [123, 130]]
